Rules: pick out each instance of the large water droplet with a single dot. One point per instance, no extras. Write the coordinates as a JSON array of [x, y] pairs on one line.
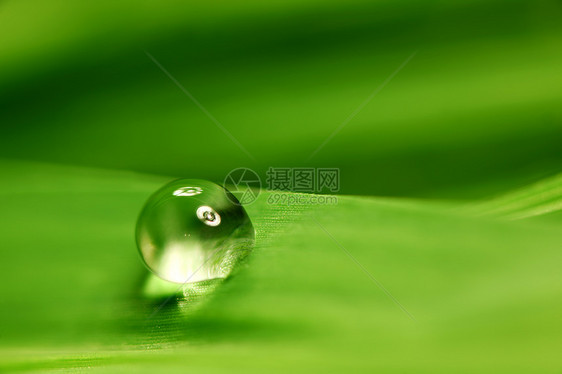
[[192, 230]]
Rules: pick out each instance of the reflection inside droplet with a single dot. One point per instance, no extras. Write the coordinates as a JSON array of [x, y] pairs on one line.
[[188, 191], [208, 216]]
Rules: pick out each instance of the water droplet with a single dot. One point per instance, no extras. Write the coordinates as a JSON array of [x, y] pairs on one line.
[[192, 230]]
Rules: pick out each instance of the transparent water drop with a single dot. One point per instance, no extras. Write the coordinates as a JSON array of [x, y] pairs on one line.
[[192, 230]]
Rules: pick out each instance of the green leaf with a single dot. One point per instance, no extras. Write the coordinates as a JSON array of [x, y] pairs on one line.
[[326, 287], [542, 198]]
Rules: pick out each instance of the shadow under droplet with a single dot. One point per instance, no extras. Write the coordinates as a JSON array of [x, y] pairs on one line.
[[187, 296]]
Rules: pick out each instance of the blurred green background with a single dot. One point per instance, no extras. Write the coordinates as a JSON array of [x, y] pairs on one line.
[[476, 111], [428, 263]]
